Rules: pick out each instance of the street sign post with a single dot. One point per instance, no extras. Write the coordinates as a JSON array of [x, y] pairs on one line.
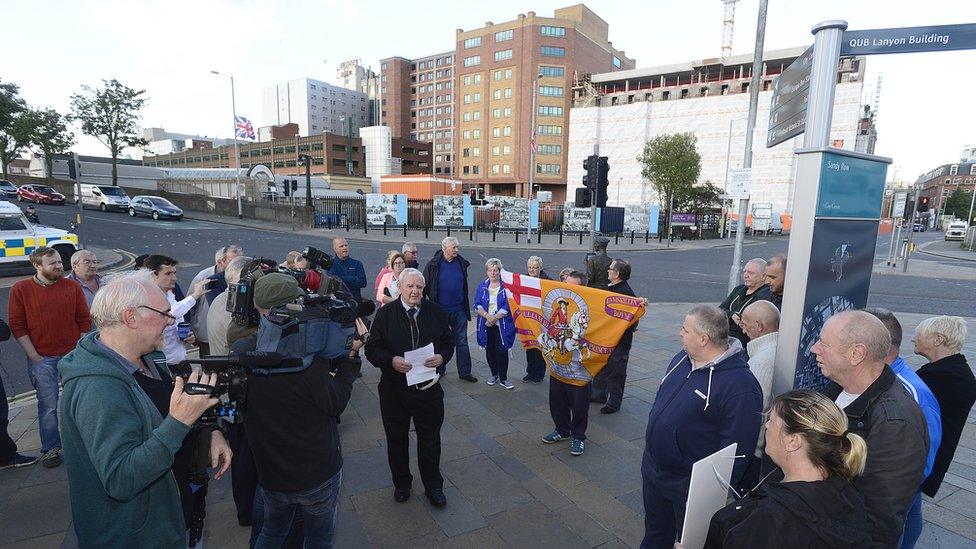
[[909, 39], [791, 92]]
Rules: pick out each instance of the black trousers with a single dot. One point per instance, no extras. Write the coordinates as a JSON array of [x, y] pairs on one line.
[[569, 406], [398, 405], [535, 364], [7, 446], [497, 354], [608, 385], [243, 472]]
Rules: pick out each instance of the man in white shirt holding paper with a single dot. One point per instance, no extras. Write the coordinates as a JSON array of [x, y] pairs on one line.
[[400, 329]]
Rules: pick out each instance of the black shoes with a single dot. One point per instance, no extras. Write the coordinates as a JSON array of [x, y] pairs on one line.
[[530, 379], [401, 495], [470, 378], [598, 400], [437, 498], [608, 410]]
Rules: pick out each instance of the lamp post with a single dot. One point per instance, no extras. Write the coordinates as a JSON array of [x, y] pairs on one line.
[[237, 150], [532, 147]]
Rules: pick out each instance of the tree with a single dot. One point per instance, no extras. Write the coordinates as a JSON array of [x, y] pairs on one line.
[[11, 134], [700, 197], [111, 115], [958, 203], [672, 164], [47, 130]]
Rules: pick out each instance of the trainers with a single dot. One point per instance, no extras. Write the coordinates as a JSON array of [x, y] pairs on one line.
[[577, 447], [52, 458], [492, 380], [507, 384], [18, 460], [527, 379], [554, 437]]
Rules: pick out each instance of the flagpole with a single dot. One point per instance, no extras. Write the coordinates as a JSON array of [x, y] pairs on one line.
[[237, 150], [532, 148]]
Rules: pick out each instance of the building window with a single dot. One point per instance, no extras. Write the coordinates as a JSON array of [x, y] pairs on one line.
[[503, 36], [476, 151], [550, 149], [508, 93], [551, 71], [472, 61], [552, 169], [467, 80], [972, 169], [466, 117], [508, 112], [508, 74], [496, 132], [546, 30], [550, 130], [553, 51], [496, 113], [496, 94], [954, 169], [495, 168], [465, 170], [476, 79], [467, 98], [467, 134], [497, 75], [503, 55], [496, 150], [472, 42], [548, 110], [475, 170], [551, 91], [616, 62], [506, 168], [476, 115], [507, 150], [476, 134], [477, 98], [507, 131]]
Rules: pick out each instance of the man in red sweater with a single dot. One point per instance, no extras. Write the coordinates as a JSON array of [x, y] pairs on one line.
[[48, 314]]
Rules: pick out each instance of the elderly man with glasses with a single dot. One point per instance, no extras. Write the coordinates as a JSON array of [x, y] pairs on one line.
[[84, 271]]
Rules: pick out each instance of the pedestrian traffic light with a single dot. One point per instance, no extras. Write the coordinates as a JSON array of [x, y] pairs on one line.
[[603, 181], [582, 198], [923, 203], [592, 166]]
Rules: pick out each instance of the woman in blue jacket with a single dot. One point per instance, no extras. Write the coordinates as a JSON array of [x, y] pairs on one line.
[[496, 330]]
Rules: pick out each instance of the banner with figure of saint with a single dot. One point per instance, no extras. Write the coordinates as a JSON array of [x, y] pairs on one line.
[[575, 327]]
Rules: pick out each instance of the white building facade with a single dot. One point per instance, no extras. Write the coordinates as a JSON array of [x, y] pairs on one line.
[[378, 145], [316, 106]]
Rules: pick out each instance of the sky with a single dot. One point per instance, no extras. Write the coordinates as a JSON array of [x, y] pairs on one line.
[[169, 48]]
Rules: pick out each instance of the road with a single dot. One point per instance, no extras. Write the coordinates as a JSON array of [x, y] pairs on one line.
[[661, 276]]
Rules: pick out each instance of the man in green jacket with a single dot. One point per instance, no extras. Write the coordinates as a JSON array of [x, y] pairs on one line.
[[118, 447]]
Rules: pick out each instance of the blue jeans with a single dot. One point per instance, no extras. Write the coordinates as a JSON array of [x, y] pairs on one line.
[[459, 325], [913, 523], [44, 378], [319, 508]]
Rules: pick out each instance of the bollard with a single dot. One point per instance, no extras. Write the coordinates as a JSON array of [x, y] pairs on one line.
[[425, 233], [384, 228], [581, 238], [329, 222], [616, 239], [404, 231], [471, 234], [560, 235], [494, 231], [632, 236], [516, 235], [647, 236], [448, 230]]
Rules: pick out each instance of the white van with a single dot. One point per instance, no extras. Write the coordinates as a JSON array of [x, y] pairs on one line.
[[104, 197]]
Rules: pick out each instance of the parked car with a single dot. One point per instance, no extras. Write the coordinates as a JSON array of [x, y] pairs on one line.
[[104, 197], [956, 231], [39, 194], [8, 191], [155, 207], [918, 228], [18, 237]]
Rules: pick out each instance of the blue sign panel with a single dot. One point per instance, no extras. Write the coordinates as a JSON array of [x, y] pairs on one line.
[[909, 39], [850, 187]]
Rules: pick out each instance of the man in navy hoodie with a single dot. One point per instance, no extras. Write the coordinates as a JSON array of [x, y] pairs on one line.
[[707, 400]]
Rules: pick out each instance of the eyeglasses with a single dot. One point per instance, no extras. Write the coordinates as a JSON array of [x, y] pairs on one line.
[[167, 315]]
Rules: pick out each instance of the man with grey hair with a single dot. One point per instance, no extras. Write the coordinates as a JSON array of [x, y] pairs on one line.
[[446, 276], [752, 289], [215, 286], [84, 271], [409, 251], [218, 318], [124, 418], [707, 400], [851, 352]]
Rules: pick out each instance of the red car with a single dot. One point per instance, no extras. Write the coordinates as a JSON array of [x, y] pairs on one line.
[[39, 194]]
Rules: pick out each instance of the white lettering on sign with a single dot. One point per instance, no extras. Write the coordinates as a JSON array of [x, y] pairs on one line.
[[831, 206], [900, 41], [838, 166]]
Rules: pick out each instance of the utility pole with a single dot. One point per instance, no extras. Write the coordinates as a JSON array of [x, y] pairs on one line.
[[911, 231], [532, 148], [969, 220], [755, 84], [594, 192], [307, 161], [74, 169]]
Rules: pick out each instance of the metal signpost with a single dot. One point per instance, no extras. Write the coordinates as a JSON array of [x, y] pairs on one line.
[[838, 196], [788, 110]]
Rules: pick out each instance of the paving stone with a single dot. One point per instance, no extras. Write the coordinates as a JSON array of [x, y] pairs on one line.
[[459, 517], [556, 473], [223, 533], [388, 522], [350, 531], [366, 471], [961, 501], [479, 539], [502, 402], [597, 503], [936, 537], [955, 480], [486, 444], [489, 489], [965, 456], [536, 527], [546, 494], [454, 445], [19, 516], [583, 526], [526, 448], [605, 468], [43, 542], [513, 467], [964, 471], [950, 520], [622, 425], [634, 500]]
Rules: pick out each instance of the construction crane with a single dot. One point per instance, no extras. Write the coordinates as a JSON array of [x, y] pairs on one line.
[[728, 24]]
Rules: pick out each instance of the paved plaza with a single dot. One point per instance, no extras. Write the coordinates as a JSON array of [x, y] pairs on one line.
[[504, 487]]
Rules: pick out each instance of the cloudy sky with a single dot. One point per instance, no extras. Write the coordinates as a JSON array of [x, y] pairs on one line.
[[169, 48]]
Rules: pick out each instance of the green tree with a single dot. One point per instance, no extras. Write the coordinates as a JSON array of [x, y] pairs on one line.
[[672, 164], [111, 115], [699, 198], [47, 130], [958, 203], [11, 131]]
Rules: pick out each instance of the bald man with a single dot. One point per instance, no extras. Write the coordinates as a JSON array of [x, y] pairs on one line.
[[350, 271], [851, 352], [760, 322]]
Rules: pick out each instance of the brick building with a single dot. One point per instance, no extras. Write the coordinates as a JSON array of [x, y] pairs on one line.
[[940, 183]]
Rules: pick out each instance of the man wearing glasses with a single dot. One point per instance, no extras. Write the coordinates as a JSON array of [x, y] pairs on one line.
[[164, 275], [84, 271]]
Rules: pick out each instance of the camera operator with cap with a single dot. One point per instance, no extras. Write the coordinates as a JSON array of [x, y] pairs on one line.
[[411, 322], [291, 421]]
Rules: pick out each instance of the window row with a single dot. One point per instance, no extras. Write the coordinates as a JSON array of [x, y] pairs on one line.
[[470, 170], [548, 110], [549, 149], [501, 168], [505, 131], [497, 113], [547, 30], [471, 134], [551, 91], [471, 79], [503, 55], [551, 51], [499, 93], [505, 74], [472, 61], [469, 116], [553, 169], [544, 129], [474, 151], [551, 71]]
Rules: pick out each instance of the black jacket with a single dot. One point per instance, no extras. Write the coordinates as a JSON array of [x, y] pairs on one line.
[[954, 386], [828, 514], [596, 271], [291, 424], [4, 331], [893, 426], [627, 339], [389, 336], [737, 301], [433, 268]]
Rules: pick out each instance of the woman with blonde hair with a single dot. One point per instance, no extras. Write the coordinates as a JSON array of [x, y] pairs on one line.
[[814, 505], [387, 267], [389, 289]]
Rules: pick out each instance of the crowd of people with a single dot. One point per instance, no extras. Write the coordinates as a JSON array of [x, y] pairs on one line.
[[842, 467]]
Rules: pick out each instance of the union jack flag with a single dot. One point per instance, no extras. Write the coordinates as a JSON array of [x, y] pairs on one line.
[[533, 144], [245, 130]]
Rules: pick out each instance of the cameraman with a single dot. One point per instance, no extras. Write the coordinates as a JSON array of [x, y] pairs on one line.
[[291, 419], [124, 417]]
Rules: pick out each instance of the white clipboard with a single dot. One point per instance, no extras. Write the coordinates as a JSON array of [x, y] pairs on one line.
[[707, 493]]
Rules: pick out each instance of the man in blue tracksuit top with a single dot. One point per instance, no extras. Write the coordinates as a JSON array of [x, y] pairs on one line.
[[447, 285], [350, 271], [707, 400]]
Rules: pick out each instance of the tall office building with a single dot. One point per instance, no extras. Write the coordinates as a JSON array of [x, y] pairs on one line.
[[353, 76], [497, 66], [316, 106]]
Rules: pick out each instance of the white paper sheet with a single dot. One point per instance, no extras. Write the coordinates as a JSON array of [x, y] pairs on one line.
[[707, 493], [418, 372]]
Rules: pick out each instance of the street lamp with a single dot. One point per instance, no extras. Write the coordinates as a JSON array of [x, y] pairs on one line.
[[237, 151], [532, 147]]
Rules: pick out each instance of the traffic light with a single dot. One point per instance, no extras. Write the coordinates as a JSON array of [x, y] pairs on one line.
[[582, 198], [923, 203], [287, 186], [603, 182], [592, 166], [476, 195], [72, 168]]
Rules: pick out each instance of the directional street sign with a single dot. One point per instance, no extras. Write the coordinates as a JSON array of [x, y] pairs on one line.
[[788, 110], [909, 39]]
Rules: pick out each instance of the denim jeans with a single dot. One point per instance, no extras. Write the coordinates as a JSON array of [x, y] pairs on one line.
[[44, 378], [459, 325], [319, 508], [913, 523]]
